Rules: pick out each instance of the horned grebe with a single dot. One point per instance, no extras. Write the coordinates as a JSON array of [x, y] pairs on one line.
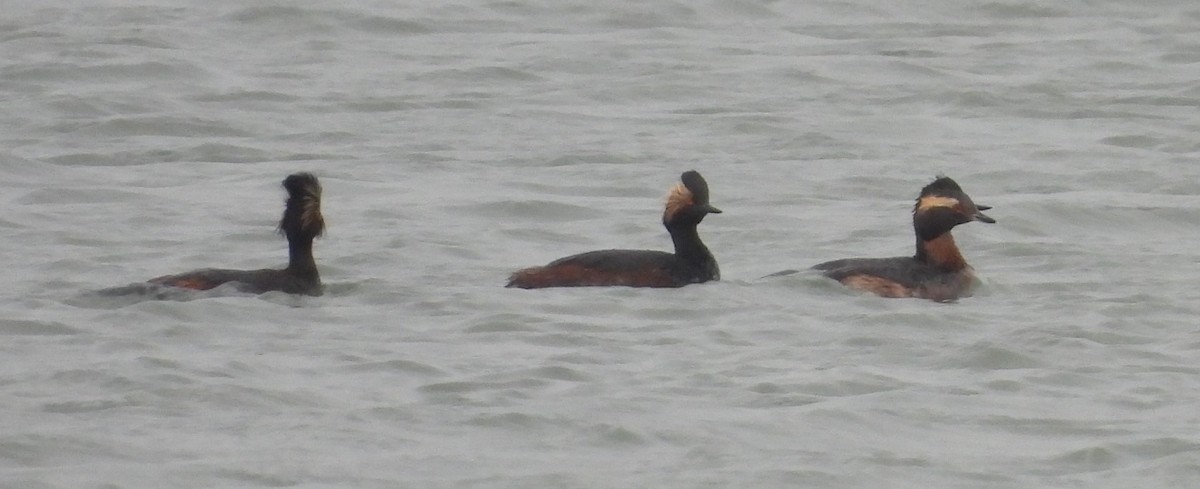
[[938, 270], [687, 204], [301, 222]]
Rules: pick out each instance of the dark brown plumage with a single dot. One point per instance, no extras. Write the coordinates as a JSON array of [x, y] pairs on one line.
[[301, 223], [687, 204], [938, 270]]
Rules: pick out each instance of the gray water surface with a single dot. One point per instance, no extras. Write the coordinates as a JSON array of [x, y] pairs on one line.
[[459, 141]]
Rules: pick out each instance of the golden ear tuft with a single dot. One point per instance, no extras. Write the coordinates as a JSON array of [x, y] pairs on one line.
[[302, 213], [310, 213], [677, 199]]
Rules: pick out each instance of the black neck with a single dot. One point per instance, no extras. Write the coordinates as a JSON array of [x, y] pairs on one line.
[[688, 245], [300, 257]]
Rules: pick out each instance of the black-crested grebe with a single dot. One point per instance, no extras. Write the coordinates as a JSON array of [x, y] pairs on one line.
[[301, 223], [938, 270], [687, 204]]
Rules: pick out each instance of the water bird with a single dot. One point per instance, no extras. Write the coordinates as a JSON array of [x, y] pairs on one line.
[[938, 270], [301, 223], [687, 204]]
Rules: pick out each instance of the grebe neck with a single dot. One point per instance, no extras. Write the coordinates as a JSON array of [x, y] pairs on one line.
[[688, 245], [941, 252], [300, 257]]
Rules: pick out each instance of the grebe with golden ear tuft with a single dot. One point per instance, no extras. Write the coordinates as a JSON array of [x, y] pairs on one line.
[[687, 204], [301, 223]]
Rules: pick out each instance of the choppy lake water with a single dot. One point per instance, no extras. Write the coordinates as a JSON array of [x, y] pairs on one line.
[[459, 141]]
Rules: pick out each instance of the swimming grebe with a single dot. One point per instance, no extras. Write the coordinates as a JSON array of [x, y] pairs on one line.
[[938, 271], [687, 204], [301, 222]]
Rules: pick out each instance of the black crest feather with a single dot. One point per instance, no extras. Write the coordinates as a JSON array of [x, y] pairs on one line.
[[943, 185], [696, 184]]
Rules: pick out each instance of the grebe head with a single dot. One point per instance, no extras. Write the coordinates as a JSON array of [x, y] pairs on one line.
[[302, 213], [687, 202], [943, 205]]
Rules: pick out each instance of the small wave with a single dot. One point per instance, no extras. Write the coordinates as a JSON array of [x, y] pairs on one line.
[[1139, 141], [183, 126], [480, 74], [147, 70], [90, 406], [1021, 10], [989, 356], [541, 211], [398, 366], [19, 327], [79, 196], [126, 295]]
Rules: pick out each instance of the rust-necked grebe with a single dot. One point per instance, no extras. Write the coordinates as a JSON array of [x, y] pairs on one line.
[[687, 204], [938, 270], [301, 222]]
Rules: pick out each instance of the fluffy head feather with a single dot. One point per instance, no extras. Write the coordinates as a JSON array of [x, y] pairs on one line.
[[678, 199], [691, 192], [942, 192], [302, 214]]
